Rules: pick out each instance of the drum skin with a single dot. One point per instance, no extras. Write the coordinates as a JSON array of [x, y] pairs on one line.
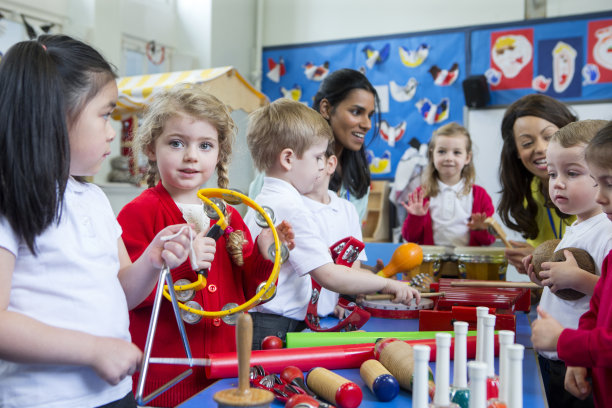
[[388, 310]]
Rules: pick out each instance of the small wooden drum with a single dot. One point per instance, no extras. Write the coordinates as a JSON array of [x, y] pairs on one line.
[[485, 263], [389, 310], [436, 259]]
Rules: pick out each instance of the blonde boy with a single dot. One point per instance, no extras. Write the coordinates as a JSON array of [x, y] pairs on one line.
[[288, 141], [573, 191]]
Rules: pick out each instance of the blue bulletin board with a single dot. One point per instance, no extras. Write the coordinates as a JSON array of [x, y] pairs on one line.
[[419, 76], [568, 59], [418, 80]]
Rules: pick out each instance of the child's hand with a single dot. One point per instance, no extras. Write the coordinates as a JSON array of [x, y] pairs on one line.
[[204, 248], [339, 312], [403, 292], [561, 275], [529, 268], [266, 238], [114, 359], [545, 332], [415, 204], [477, 221], [576, 382], [173, 251], [516, 254]]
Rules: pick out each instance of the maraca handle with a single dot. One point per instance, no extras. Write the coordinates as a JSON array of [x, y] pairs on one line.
[[244, 337]]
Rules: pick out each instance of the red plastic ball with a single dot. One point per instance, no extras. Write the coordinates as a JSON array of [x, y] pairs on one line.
[[271, 343], [303, 400]]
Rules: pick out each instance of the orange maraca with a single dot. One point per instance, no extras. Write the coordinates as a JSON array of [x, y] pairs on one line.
[[404, 258]]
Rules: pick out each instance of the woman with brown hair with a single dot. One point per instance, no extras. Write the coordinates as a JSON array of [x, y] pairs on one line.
[[525, 206]]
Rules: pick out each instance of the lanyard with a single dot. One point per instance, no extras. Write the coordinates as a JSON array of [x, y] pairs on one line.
[[552, 224]]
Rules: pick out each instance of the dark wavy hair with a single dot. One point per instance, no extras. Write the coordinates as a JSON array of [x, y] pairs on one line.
[[44, 84], [514, 177], [355, 170]]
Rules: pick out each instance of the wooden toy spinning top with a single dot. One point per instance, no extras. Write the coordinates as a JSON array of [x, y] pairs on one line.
[[244, 395]]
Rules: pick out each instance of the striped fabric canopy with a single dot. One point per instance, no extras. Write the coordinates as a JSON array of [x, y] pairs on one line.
[[226, 83]]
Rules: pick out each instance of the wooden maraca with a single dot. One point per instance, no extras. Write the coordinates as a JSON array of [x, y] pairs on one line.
[[397, 357], [244, 395], [294, 376], [379, 380], [405, 257], [334, 388]]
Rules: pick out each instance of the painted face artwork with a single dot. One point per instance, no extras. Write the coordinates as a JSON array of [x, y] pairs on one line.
[[511, 53], [601, 51], [564, 66]]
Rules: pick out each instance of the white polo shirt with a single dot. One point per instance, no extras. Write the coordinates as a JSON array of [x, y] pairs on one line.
[[450, 211], [72, 283], [336, 220], [594, 236], [310, 252]]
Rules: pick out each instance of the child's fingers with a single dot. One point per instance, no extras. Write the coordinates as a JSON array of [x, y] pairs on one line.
[[569, 257], [542, 313], [583, 386]]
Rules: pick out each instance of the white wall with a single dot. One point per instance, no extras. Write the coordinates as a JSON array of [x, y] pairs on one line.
[[303, 21]]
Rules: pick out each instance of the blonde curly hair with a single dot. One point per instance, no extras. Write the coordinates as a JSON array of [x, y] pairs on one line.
[[193, 101], [430, 175]]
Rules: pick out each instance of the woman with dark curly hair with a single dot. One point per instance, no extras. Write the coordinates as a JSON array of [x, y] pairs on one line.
[[525, 206]]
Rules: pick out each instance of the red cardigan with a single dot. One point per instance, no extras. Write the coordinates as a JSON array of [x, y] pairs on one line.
[[418, 228], [141, 220], [591, 344]]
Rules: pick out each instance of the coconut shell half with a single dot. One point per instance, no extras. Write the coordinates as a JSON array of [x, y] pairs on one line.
[[543, 253], [585, 262]]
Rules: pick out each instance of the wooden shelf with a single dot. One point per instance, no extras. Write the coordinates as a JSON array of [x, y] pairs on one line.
[[375, 227]]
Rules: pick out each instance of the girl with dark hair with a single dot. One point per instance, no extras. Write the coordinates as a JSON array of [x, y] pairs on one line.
[[348, 101], [525, 206], [66, 280]]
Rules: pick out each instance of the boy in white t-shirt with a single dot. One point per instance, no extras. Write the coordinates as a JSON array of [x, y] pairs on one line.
[[337, 218], [288, 141], [573, 191]]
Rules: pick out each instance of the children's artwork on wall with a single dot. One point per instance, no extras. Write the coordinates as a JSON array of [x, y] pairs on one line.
[[374, 56], [276, 69], [511, 55], [403, 93], [562, 73], [600, 58], [566, 58], [417, 78]]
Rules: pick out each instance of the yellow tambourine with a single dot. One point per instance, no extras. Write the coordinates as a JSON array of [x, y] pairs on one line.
[[267, 290]]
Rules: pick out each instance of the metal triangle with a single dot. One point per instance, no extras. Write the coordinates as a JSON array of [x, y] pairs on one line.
[[165, 277]]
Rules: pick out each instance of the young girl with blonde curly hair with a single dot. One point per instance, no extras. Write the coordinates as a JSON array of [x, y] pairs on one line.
[[448, 208], [187, 135]]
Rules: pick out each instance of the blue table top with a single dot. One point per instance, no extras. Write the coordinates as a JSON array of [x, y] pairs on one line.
[[533, 392]]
